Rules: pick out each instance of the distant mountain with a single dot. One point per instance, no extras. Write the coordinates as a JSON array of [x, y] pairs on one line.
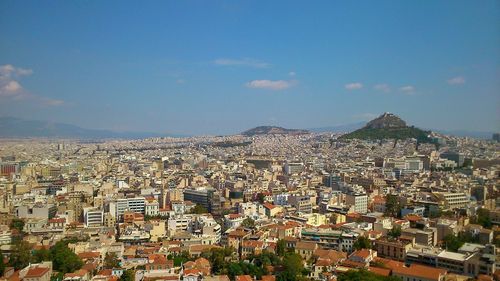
[[273, 130], [11, 127], [388, 126], [465, 133], [339, 128]]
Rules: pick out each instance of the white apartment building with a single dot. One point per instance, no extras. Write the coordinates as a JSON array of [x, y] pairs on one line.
[[93, 217], [151, 208], [136, 205], [359, 201]]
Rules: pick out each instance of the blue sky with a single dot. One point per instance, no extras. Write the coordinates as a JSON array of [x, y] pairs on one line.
[[220, 67]]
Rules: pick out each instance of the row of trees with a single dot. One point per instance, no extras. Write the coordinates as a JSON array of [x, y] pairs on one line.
[[454, 242], [64, 259], [365, 275], [287, 264]]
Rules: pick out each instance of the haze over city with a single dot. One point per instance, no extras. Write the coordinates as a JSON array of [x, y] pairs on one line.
[[203, 67]]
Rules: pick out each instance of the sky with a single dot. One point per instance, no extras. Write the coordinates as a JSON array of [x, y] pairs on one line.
[[221, 67]]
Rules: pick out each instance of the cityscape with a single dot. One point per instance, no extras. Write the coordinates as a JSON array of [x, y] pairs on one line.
[[147, 155]]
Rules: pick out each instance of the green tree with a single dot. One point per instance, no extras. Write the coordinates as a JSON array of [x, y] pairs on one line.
[[128, 275], [17, 224], [281, 247], [392, 206], [265, 258], [181, 258], [293, 264], [217, 258], [452, 242], [395, 232], [20, 256], [199, 209], [57, 277], [248, 223], [362, 243], [364, 275], [2, 264], [234, 269], [41, 255], [111, 261], [261, 197], [483, 218], [64, 259]]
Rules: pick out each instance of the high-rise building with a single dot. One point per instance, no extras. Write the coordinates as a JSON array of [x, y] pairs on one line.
[[359, 201], [93, 217], [496, 136], [200, 195], [454, 156]]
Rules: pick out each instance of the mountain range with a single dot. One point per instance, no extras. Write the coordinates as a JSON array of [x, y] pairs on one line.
[[11, 127]]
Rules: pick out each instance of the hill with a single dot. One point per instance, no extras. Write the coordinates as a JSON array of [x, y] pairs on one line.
[[388, 126], [273, 130], [11, 127], [339, 128]]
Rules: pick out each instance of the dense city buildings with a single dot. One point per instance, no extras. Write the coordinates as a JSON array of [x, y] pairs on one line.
[[193, 209]]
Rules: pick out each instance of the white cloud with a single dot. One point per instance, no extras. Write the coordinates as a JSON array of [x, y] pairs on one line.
[[407, 89], [242, 62], [456, 80], [292, 73], [11, 88], [382, 87], [8, 70], [180, 81], [353, 86], [270, 84]]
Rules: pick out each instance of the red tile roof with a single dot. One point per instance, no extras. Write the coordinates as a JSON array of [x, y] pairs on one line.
[[36, 272], [420, 271]]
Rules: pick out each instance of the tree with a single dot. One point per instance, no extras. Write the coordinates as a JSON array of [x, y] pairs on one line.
[[364, 275], [452, 242], [293, 264], [111, 261], [362, 243], [234, 269], [261, 198], [20, 256], [395, 232], [265, 258], [217, 258], [281, 247], [41, 255], [2, 264], [199, 209], [128, 275], [248, 223], [181, 258], [64, 259], [392, 206], [17, 224], [483, 218]]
